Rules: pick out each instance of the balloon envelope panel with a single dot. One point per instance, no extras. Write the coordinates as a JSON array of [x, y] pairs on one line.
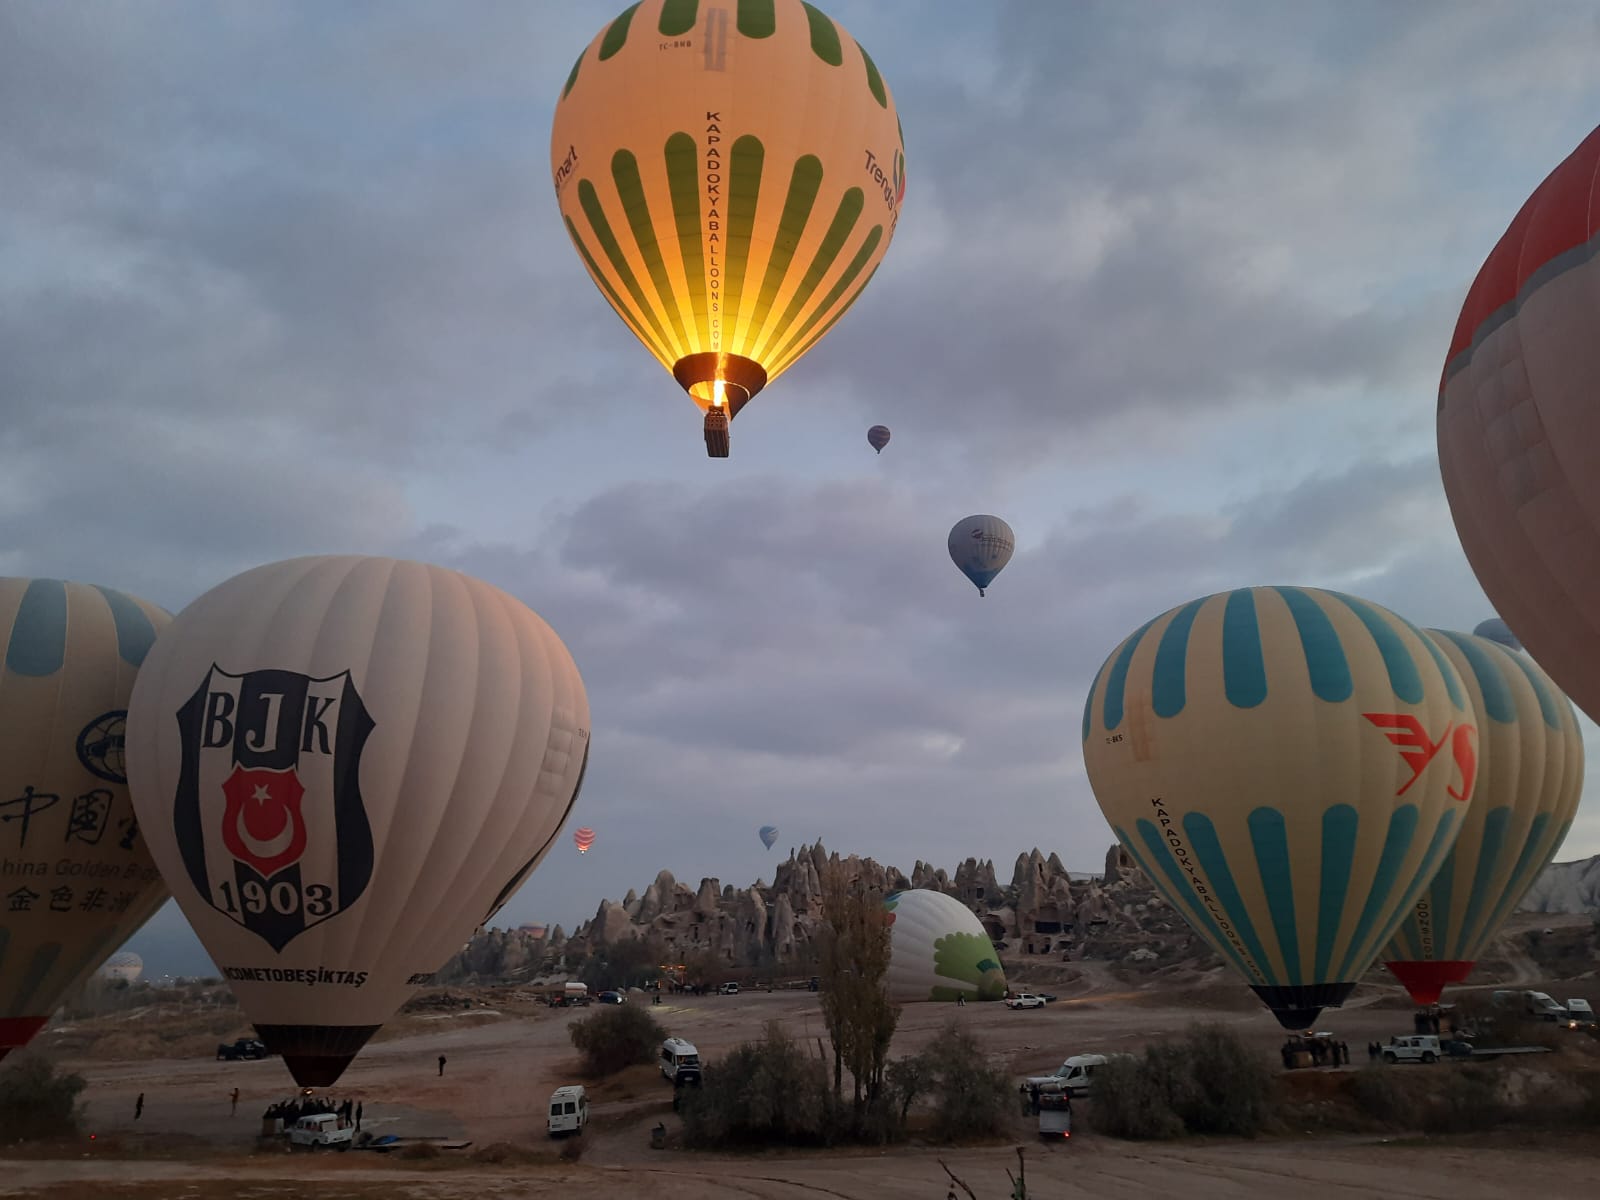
[[938, 950], [981, 546], [1287, 765], [769, 835], [344, 765], [1497, 630], [1530, 774], [878, 437], [1519, 429], [76, 877]]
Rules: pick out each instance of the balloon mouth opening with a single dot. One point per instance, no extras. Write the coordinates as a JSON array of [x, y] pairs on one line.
[[316, 1055], [720, 381], [1298, 1006], [1425, 981]]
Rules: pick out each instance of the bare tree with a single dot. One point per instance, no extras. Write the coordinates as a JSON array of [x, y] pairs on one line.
[[853, 964]]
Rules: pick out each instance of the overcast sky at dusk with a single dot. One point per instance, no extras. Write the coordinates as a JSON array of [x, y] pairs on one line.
[[1170, 292]]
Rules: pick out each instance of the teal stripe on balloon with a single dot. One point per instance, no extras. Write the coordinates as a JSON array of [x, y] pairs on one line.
[[1244, 668], [1207, 848], [1446, 669], [1498, 701], [1407, 943], [1117, 681], [1438, 848], [1441, 897], [1490, 852], [38, 643], [1339, 826], [1380, 896], [135, 633], [1536, 852], [1167, 692], [1404, 677], [1269, 837], [1319, 641], [1549, 701], [1181, 895], [1088, 704]]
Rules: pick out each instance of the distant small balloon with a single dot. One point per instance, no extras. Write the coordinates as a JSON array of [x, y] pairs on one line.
[[878, 437], [1497, 630], [981, 546], [583, 838], [769, 834]]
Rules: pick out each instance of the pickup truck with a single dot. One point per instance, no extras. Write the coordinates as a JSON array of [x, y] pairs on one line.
[[1025, 1000], [243, 1048]]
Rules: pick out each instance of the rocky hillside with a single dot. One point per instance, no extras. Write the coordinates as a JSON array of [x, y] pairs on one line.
[[1569, 887]]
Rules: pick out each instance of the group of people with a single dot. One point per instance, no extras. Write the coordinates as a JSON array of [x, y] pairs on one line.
[[1031, 1092], [290, 1111]]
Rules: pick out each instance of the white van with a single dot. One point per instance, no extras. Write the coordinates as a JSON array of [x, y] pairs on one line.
[[569, 1110], [679, 1057], [1579, 1013], [1075, 1077], [322, 1130]]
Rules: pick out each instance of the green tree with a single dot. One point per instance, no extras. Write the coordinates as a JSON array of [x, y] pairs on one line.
[[36, 1100], [853, 964], [615, 1037]]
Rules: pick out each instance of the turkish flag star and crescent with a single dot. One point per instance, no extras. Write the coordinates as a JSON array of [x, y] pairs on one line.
[[262, 825]]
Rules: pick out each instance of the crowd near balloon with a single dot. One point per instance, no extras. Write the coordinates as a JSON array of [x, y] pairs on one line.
[[341, 766]]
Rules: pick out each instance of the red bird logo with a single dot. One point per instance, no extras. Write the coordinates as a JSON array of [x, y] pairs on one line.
[[1418, 749]]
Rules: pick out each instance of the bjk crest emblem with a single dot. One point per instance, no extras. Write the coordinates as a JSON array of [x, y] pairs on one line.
[[269, 816]]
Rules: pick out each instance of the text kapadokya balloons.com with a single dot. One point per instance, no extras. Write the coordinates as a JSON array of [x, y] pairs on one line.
[[344, 765], [1530, 773], [938, 950], [769, 835], [1519, 428], [981, 546], [1288, 766], [878, 437], [76, 879], [731, 176], [583, 838]]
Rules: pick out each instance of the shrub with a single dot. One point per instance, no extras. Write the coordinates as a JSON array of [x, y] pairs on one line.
[[36, 1100], [1377, 1093], [761, 1092], [971, 1099], [615, 1037], [1208, 1081], [1468, 1102], [1130, 1101]]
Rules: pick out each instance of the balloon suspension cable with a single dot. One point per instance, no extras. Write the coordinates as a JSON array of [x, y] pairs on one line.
[[982, 593], [717, 432]]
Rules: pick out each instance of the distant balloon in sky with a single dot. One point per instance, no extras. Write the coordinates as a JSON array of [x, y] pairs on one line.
[[76, 878], [878, 437], [1497, 630], [1530, 774], [1519, 429], [344, 765], [769, 835], [731, 177], [1288, 766], [981, 546], [938, 950], [583, 838]]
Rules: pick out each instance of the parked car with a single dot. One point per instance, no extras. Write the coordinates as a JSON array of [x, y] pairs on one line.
[[1580, 1014], [610, 997], [729, 989], [1075, 1077], [243, 1048], [321, 1131], [1025, 1000], [1417, 1048], [569, 1110], [680, 1060]]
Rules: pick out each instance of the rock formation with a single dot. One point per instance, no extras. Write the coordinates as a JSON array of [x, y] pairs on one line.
[[1569, 887]]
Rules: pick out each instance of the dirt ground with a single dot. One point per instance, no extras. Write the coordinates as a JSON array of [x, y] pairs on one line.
[[499, 1073]]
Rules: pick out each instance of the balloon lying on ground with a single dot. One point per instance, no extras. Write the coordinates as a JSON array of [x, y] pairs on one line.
[[1519, 429], [1497, 630], [981, 546], [878, 437], [1288, 766], [731, 177], [343, 766], [76, 878], [583, 838], [1530, 774], [938, 950], [769, 835]]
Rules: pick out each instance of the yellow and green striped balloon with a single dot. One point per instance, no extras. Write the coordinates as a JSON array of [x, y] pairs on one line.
[[731, 175], [1530, 772], [1288, 766]]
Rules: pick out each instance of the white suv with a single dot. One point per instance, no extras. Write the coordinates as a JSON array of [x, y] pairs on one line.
[[1420, 1048], [1025, 1000], [321, 1130]]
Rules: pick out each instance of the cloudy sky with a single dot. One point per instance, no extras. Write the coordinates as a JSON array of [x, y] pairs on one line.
[[1170, 292]]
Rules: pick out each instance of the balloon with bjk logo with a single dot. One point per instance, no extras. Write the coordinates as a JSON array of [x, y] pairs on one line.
[[1288, 766], [344, 765]]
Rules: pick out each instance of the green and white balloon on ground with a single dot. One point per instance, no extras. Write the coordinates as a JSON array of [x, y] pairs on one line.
[[938, 950]]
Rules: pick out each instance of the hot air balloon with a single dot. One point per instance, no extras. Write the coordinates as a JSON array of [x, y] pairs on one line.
[[583, 838], [1497, 630], [344, 765], [76, 878], [731, 178], [981, 547], [1288, 766], [938, 950], [878, 437], [1530, 772], [769, 835], [1519, 431]]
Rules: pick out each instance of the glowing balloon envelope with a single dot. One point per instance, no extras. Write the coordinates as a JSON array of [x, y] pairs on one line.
[[878, 437], [76, 878], [1530, 773], [583, 838], [731, 177], [1498, 631], [1288, 766], [981, 546], [344, 765], [769, 835], [938, 950], [1519, 429]]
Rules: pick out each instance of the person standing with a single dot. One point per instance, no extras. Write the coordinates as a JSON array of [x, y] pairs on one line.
[[441, 1064], [233, 1100], [358, 1116], [138, 1107]]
